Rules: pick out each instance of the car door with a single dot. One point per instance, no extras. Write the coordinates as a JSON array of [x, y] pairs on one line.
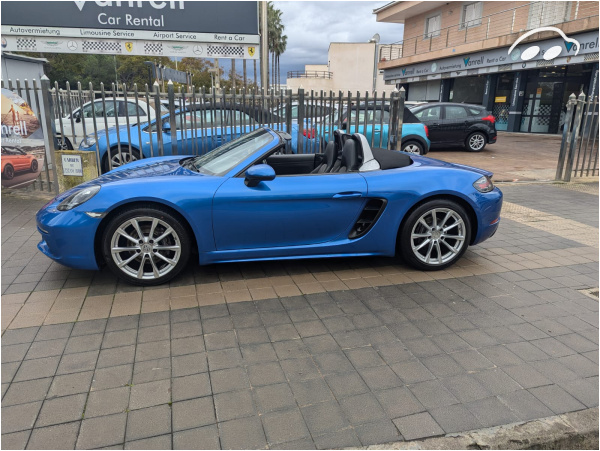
[[288, 211], [455, 123], [21, 160], [432, 118]]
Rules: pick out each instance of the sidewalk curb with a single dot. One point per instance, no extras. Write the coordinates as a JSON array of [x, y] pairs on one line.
[[574, 430]]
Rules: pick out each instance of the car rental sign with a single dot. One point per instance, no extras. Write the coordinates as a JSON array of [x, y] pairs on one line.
[[210, 29]]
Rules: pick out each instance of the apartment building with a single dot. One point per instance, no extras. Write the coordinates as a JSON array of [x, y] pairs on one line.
[[351, 66], [459, 51]]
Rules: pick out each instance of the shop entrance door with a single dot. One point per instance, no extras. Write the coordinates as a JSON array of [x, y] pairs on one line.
[[542, 106]]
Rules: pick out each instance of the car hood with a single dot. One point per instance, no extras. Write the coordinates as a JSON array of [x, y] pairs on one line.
[[148, 167], [426, 161]]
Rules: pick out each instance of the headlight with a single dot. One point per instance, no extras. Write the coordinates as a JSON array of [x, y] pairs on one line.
[[87, 143], [483, 184], [78, 197]]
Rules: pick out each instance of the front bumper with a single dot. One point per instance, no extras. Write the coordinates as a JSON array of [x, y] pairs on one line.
[[489, 215], [68, 236]]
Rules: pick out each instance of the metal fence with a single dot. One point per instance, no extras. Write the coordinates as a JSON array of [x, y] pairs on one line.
[[123, 123], [578, 155]]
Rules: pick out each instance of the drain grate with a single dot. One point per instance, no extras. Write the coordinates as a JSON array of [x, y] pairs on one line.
[[593, 293]]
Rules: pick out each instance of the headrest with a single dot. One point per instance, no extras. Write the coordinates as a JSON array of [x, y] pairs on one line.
[[350, 155], [331, 151]]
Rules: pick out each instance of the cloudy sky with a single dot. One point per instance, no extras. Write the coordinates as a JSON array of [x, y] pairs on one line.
[[311, 25]]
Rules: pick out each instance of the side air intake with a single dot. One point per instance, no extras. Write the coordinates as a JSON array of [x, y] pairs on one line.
[[368, 217]]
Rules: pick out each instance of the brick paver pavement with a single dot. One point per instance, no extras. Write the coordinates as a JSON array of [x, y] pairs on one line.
[[303, 354]]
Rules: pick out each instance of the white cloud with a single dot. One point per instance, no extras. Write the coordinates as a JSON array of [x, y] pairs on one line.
[[310, 27]]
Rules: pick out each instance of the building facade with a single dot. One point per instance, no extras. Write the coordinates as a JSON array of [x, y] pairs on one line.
[[459, 51], [351, 66]]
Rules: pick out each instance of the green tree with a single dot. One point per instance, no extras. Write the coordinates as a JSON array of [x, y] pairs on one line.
[[132, 69], [276, 39]]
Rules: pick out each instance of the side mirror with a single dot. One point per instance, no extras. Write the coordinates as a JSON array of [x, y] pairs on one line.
[[259, 173], [344, 125], [166, 127], [77, 117]]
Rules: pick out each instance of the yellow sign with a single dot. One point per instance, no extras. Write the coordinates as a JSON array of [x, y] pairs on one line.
[[129, 46], [500, 99], [539, 91], [251, 51]]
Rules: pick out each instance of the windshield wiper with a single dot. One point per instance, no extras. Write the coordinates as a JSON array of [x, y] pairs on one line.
[[189, 164]]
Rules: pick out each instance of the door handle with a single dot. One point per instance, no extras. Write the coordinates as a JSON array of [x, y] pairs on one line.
[[377, 130], [347, 195], [435, 124]]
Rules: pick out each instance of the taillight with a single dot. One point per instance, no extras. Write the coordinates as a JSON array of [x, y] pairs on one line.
[[483, 184], [426, 131], [489, 118], [309, 133]]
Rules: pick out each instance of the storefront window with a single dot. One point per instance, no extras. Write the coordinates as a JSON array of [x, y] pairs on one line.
[[468, 89]]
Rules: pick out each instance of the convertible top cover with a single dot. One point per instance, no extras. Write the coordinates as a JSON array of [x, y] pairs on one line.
[[391, 159]]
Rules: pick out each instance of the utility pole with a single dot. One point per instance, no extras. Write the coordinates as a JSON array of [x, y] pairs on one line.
[[217, 74], [264, 46]]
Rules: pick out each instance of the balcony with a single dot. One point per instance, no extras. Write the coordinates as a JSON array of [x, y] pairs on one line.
[[310, 74], [491, 31]]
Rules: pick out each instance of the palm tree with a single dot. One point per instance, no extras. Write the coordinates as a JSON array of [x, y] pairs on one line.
[[281, 47], [276, 40]]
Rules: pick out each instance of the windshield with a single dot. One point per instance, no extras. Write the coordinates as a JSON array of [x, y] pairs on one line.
[[224, 158]]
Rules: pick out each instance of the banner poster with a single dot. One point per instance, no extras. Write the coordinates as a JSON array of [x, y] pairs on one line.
[[22, 142]]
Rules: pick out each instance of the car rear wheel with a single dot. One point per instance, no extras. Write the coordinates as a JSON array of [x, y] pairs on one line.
[[9, 172], [414, 147], [119, 159], [476, 142], [34, 165], [146, 246], [435, 235]]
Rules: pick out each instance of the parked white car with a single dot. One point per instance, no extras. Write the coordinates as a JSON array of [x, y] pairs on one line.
[[72, 124]]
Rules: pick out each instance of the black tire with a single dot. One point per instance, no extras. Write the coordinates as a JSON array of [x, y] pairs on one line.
[[476, 142], [451, 251], [414, 147], [114, 154], [65, 143], [9, 172], [34, 166], [146, 251]]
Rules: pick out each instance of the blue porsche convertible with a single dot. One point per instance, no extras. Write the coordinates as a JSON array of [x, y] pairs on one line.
[[249, 200]]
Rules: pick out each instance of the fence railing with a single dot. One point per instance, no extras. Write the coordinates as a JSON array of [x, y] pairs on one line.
[[503, 23], [578, 155], [310, 74], [123, 123]]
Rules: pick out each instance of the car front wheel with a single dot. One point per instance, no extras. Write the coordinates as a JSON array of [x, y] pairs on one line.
[[146, 246], [476, 142], [413, 147], [435, 235], [9, 172], [119, 158]]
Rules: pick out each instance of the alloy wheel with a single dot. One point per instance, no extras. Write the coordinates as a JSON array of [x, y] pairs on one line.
[[118, 159], [476, 141], [412, 148], [145, 247], [9, 172], [438, 236]]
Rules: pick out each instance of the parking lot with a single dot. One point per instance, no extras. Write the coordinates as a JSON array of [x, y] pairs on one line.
[[305, 354], [515, 157]]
